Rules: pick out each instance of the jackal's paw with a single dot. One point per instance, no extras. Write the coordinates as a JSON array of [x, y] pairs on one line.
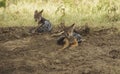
[[83, 40]]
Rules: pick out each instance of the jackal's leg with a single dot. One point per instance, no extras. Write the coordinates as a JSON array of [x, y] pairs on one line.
[[74, 44], [66, 44], [58, 34]]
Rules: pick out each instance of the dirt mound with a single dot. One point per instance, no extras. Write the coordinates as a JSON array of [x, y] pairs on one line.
[[25, 53]]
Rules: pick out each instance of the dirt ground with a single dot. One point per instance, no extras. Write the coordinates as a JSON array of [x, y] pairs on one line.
[[24, 53]]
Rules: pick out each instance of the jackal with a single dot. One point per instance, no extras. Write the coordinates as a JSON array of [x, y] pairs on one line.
[[44, 25], [69, 37]]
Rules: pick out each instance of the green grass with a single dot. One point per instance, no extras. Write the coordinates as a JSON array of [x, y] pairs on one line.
[[94, 12]]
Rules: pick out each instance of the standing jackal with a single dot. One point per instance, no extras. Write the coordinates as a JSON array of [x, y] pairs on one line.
[[44, 25], [69, 38]]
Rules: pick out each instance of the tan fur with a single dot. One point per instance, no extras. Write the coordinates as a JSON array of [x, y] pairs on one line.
[[66, 44], [70, 41], [75, 43]]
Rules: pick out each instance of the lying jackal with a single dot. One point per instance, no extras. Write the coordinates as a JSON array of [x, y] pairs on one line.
[[69, 37]]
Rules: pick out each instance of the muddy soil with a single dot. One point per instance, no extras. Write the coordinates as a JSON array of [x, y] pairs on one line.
[[25, 53]]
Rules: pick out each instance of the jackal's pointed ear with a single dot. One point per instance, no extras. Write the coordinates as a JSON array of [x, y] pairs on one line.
[[36, 11], [41, 11], [73, 26]]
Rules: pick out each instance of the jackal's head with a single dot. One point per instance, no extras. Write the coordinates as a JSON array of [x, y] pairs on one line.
[[69, 30], [38, 15]]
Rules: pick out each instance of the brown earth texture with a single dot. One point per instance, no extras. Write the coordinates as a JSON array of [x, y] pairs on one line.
[[25, 53]]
